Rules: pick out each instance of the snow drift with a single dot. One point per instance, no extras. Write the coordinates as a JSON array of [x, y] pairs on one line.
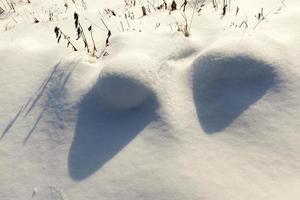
[[227, 83], [121, 84], [160, 116], [110, 116], [121, 92]]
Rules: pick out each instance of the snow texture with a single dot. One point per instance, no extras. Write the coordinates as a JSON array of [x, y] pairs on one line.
[[154, 114]]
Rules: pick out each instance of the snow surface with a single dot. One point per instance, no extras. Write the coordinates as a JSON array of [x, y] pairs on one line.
[[157, 115]]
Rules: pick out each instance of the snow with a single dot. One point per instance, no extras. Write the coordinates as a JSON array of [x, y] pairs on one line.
[[117, 85], [226, 84], [155, 115]]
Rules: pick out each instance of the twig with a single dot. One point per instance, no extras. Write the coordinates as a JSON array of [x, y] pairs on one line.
[[263, 18]]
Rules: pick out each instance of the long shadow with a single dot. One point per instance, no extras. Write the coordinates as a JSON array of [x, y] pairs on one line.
[[224, 87], [53, 90], [42, 89], [11, 123], [101, 133], [34, 125], [31, 102]]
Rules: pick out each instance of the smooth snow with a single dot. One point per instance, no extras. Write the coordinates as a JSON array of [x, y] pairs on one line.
[[158, 115]]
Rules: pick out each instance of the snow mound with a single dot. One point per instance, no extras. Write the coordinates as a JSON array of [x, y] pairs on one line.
[[122, 84], [225, 84], [121, 92]]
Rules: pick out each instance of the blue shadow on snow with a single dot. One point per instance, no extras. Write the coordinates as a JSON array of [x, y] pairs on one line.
[[100, 133], [224, 87]]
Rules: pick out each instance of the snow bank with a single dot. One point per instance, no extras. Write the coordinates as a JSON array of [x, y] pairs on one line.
[[226, 83]]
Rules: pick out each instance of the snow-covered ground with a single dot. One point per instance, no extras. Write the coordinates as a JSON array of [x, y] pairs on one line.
[[154, 114]]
